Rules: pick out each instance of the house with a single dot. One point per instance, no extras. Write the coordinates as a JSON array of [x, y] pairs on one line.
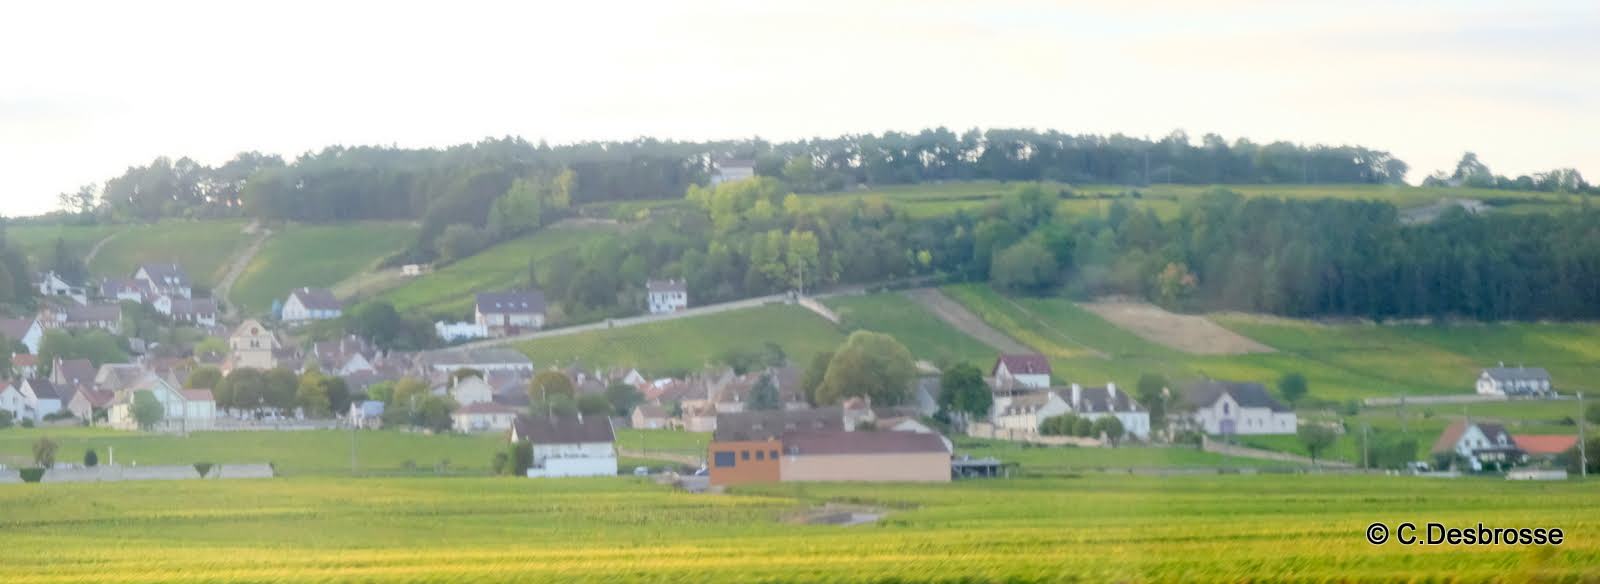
[[192, 311], [414, 270], [628, 375], [507, 313], [366, 414], [863, 456], [307, 304], [41, 398], [454, 332], [344, 356], [1025, 412], [1109, 402], [667, 295], [1030, 371], [1544, 446], [1226, 407], [165, 279], [699, 417], [22, 330], [115, 376], [484, 416], [106, 317], [568, 446], [12, 401], [485, 359], [1481, 444], [1515, 381], [472, 390], [52, 284], [253, 346], [128, 290], [925, 395], [726, 170], [86, 401], [182, 409], [650, 417]]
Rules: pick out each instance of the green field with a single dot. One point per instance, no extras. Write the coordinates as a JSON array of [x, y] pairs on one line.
[[451, 289], [318, 256], [1094, 528], [924, 334], [1034, 460], [37, 240], [689, 343], [202, 247]]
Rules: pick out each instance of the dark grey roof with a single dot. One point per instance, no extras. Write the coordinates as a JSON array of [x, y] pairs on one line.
[[1100, 399], [1247, 394], [43, 389], [160, 272], [75, 371], [1518, 373], [193, 306], [317, 298], [744, 426], [1023, 364], [564, 429], [15, 328], [525, 302], [95, 313], [666, 286]]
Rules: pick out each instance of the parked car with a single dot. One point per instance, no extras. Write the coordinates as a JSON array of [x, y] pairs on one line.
[[640, 471]]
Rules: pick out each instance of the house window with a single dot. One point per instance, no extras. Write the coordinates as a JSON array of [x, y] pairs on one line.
[[723, 459], [1224, 408], [774, 455], [761, 455], [744, 455]]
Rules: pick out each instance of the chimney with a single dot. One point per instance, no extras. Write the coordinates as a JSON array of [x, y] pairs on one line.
[[1077, 393]]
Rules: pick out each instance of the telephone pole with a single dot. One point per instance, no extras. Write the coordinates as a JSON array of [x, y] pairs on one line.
[[1583, 453]]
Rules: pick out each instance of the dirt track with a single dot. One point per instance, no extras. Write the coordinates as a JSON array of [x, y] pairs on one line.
[[964, 320], [1188, 333]]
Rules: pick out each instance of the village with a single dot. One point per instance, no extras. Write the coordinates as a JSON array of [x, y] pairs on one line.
[[766, 421]]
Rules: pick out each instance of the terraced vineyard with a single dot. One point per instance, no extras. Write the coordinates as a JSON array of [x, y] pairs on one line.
[[690, 343], [202, 247], [1095, 528]]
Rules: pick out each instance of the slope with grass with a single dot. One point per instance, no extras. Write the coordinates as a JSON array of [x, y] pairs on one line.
[[202, 247], [927, 337], [38, 240], [318, 256], [450, 290], [689, 343], [1095, 528]]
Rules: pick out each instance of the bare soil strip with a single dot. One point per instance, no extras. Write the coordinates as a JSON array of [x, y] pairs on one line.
[[964, 320], [1192, 334]]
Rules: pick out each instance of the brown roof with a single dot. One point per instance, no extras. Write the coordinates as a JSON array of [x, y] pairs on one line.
[[803, 443], [563, 429], [15, 328], [1452, 434], [186, 306], [95, 313], [97, 398], [666, 286], [1544, 443], [746, 426], [1023, 364], [75, 371]]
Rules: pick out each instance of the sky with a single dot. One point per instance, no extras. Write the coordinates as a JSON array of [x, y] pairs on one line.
[[88, 89]]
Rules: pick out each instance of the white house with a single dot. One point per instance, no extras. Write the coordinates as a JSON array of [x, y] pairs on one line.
[[12, 401], [193, 311], [568, 446], [23, 330], [1102, 402], [129, 290], [1480, 443], [507, 313], [667, 295], [366, 414], [51, 284], [1520, 381], [306, 304], [485, 359], [472, 390], [182, 409], [41, 398], [1225, 407], [106, 317], [484, 417], [1025, 412], [452, 332], [1031, 371], [168, 279], [727, 170]]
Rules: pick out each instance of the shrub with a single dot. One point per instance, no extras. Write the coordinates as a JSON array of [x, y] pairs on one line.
[[44, 452], [1083, 428], [501, 463], [27, 422], [31, 475], [55, 416], [202, 468], [90, 459], [6, 419]]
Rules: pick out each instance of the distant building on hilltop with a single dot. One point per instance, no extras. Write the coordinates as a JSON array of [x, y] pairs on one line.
[[728, 170], [667, 295]]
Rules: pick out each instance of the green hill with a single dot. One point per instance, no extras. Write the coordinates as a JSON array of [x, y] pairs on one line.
[[927, 337], [203, 247], [688, 343], [317, 256], [36, 240], [451, 289]]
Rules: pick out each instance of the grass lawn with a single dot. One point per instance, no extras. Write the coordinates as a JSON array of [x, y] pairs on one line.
[[37, 240], [924, 334], [202, 247], [318, 256], [689, 343], [300, 453], [452, 289], [664, 441], [1062, 460], [1094, 528]]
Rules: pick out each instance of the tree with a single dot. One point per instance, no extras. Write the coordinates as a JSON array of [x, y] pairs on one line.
[[147, 410], [594, 405], [1316, 438], [90, 459], [558, 404], [1175, 284], [1110, 427], [433, 413], [311, 394], [1592, 414], [7, 419], [204, 377], [868, 364], [338, 393], [281, 386], [382, 391], [44, 452], [814, 373], [623, 397], [1025, 267], [1082, 427], [764, 396], [962, 393], [773, 355], [548, 384], [1152, 391], [1293, 387]]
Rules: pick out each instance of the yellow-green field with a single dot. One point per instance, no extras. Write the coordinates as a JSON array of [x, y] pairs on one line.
[[202, 247], [1095, 528], [318, 256]]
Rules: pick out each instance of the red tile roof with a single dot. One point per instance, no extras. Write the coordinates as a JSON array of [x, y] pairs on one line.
[[1544, 443]]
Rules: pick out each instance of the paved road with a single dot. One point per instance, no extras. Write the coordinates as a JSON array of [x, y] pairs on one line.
[[965, 321], [237, 265], [632, 321]]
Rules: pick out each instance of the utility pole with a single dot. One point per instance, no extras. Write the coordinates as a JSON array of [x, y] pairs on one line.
[[1365, 449], [352, 444], [1583, 453]]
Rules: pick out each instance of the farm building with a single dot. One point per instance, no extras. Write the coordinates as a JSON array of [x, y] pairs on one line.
[[1515, 381], [1481, 444], [814, 445], [168, 279], [1227, 407], [568, 446]]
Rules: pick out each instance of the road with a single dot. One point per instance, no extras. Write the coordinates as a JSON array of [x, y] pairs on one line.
[[237, 265], [632, 321]]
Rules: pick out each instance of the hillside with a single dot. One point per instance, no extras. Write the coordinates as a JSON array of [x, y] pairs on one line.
[[689, 343], [202, 247], [451, 289], [37, 240], [316, 256]]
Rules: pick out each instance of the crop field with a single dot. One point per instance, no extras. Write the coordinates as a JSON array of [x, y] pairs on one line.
[[919, 330], [39, 239], [451, 289], [318, 256], [203, 247], [689, 343], [1094, 528]]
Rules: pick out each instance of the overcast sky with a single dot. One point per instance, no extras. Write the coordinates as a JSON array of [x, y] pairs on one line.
[[88, 89]]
